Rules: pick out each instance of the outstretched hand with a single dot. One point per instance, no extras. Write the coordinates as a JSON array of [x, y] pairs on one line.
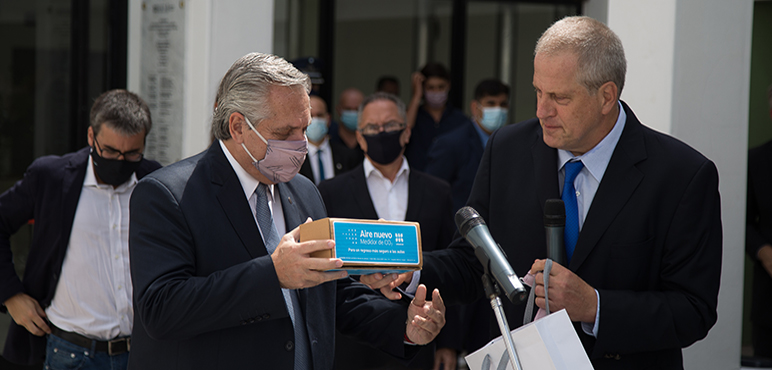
[[425, 318]]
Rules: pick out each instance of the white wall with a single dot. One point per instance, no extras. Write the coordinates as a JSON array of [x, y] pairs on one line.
[[688, 75], [217, 33]]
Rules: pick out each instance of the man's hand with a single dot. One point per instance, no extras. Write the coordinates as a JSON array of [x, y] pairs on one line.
[[425, 318], [567, 290], [387, 283], [296, 268], [765, 256], [445, 359], [26, 311]]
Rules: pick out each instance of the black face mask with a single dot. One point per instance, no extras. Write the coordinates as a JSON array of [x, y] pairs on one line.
[[113, 171], [384, 147]]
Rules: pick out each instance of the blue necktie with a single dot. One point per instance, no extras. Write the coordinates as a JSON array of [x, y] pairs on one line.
[[321, 165], [271, 239], [571, 232]]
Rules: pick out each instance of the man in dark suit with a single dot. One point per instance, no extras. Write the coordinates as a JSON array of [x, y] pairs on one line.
[[758, 242], [216, 284], [384, 186], [326, 158], [73, 289], [643, 277]]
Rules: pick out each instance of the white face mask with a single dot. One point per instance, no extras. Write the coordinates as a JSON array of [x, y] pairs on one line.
[[493, 118], [283, 158]]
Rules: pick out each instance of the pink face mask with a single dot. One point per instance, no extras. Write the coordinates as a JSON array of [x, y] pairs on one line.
[[436, 99], [283, 158]]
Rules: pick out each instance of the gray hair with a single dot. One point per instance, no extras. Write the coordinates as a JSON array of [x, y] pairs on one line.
[[600, 55], [123, 110], [383, 96], [244, 89]]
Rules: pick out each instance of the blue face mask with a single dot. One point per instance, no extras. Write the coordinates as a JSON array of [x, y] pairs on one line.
[[316, 131], [493, 118], [350, 119]]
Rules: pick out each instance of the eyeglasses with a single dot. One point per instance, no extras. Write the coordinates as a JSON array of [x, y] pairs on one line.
[[109, 153], [373, 129]]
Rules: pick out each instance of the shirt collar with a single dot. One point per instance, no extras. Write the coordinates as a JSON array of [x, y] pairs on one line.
[[325, 146], [371, 170], [248, 183], [596, 160], [91, 180]]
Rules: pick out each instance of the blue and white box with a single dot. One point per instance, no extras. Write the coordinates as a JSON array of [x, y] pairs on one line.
[[368, 246]]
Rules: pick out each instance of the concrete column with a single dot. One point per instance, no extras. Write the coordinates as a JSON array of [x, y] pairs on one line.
[[217, 33]]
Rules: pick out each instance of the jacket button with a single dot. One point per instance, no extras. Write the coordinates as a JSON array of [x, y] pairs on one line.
[[289, 345]]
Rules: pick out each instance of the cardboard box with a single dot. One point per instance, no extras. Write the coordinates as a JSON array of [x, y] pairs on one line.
[[368, 246]]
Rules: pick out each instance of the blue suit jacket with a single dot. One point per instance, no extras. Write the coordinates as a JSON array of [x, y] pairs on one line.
[[49, 194], [206, 294], [454, 157], [651, 242]]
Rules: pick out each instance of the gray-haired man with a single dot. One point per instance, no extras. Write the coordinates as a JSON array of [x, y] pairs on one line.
[[220, 279]]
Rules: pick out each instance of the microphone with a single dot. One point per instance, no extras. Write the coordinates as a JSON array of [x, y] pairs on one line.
[[473, 228], [554, 224]]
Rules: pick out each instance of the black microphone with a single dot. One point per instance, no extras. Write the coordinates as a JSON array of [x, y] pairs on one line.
[[473, 228], [554, 224]]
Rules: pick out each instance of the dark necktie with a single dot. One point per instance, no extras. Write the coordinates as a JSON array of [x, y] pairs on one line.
[[321, 165], [571, 233], [271, 239]]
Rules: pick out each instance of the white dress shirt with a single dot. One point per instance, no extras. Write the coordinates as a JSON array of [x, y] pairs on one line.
[[389, 198], [313, 156], [94, 293]]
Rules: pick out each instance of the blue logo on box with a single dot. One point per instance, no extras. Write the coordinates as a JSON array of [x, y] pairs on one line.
[[376, 243]]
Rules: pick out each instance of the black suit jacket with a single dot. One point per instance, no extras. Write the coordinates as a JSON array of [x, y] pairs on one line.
[[759, 230], [429, 204], [650, 245], [49, 193], [206, 294], [454, 157], [343, 158]]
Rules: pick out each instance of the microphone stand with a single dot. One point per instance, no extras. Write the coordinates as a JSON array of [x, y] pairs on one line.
[[492, 292]]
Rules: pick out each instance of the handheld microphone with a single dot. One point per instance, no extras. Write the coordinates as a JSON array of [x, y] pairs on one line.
[[554, 224], [473, 228]]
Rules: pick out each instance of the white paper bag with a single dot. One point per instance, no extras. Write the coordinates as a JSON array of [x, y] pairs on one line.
[[546, 344]]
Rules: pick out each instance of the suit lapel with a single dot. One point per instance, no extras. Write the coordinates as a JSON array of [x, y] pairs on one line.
[[230, 195], [619, 182], [414, 189], [358, 187]]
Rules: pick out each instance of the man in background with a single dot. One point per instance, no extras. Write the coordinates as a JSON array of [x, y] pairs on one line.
[[76, 291], [455, 155], [384, 186], [325, 158]]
